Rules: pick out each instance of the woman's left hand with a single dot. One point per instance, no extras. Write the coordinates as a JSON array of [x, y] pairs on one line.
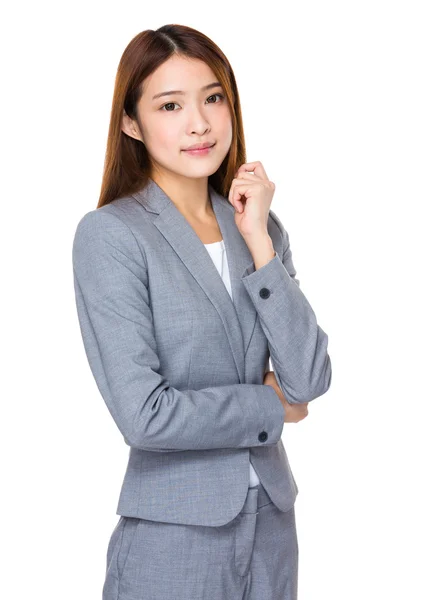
[[251, 195]]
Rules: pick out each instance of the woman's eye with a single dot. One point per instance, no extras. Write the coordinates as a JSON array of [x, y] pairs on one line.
[[169, 104], [214, 95], [174, 103]]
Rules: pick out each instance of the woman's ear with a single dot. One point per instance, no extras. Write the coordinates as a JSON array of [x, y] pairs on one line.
[[130, 127]]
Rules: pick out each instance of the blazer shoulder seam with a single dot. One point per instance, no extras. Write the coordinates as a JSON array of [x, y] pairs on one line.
[[114, 215]]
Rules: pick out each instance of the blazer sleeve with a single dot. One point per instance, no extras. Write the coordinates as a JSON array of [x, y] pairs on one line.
[[116, 323], [298, 345]]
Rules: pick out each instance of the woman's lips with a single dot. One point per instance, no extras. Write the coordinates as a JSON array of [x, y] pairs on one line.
[[200, 152]]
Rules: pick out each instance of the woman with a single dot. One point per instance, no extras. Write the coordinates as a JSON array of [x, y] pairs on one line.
[[185, 287]]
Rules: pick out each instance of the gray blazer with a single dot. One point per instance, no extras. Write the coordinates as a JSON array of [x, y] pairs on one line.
[[180, 365]]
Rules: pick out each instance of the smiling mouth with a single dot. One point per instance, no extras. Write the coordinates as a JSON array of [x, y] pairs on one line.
[[199, 150]]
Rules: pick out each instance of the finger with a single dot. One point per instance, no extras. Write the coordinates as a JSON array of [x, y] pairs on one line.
[[236, 200], [241, 174], [237, 204], [238, 193], [256, 166], [248, 177]]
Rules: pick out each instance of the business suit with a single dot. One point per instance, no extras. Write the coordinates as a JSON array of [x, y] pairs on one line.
[[180, 366]]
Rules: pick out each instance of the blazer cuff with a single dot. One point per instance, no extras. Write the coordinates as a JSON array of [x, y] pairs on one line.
[[270, 275], [265, 415]]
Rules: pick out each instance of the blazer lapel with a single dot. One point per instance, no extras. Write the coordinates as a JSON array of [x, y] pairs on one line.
[[238, 316]]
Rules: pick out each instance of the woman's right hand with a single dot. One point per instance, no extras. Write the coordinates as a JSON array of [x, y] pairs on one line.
[[293, 412]]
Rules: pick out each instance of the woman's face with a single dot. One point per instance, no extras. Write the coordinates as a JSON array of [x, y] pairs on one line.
[[170, 123]]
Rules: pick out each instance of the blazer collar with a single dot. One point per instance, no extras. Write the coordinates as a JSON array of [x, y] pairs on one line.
[[238, 316]]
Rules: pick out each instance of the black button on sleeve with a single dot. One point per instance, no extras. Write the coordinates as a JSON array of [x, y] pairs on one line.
[[263, 436], [264, 293]]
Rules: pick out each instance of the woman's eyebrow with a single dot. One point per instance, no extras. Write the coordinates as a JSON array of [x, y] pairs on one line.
[[206, 87]]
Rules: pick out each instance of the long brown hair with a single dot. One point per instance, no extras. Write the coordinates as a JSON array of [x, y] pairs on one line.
[[127, 162]]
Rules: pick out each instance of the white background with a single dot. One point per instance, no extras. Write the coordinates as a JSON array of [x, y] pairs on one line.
[[334, 98]]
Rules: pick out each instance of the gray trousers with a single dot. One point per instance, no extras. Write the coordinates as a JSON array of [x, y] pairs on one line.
[[253, 557]]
